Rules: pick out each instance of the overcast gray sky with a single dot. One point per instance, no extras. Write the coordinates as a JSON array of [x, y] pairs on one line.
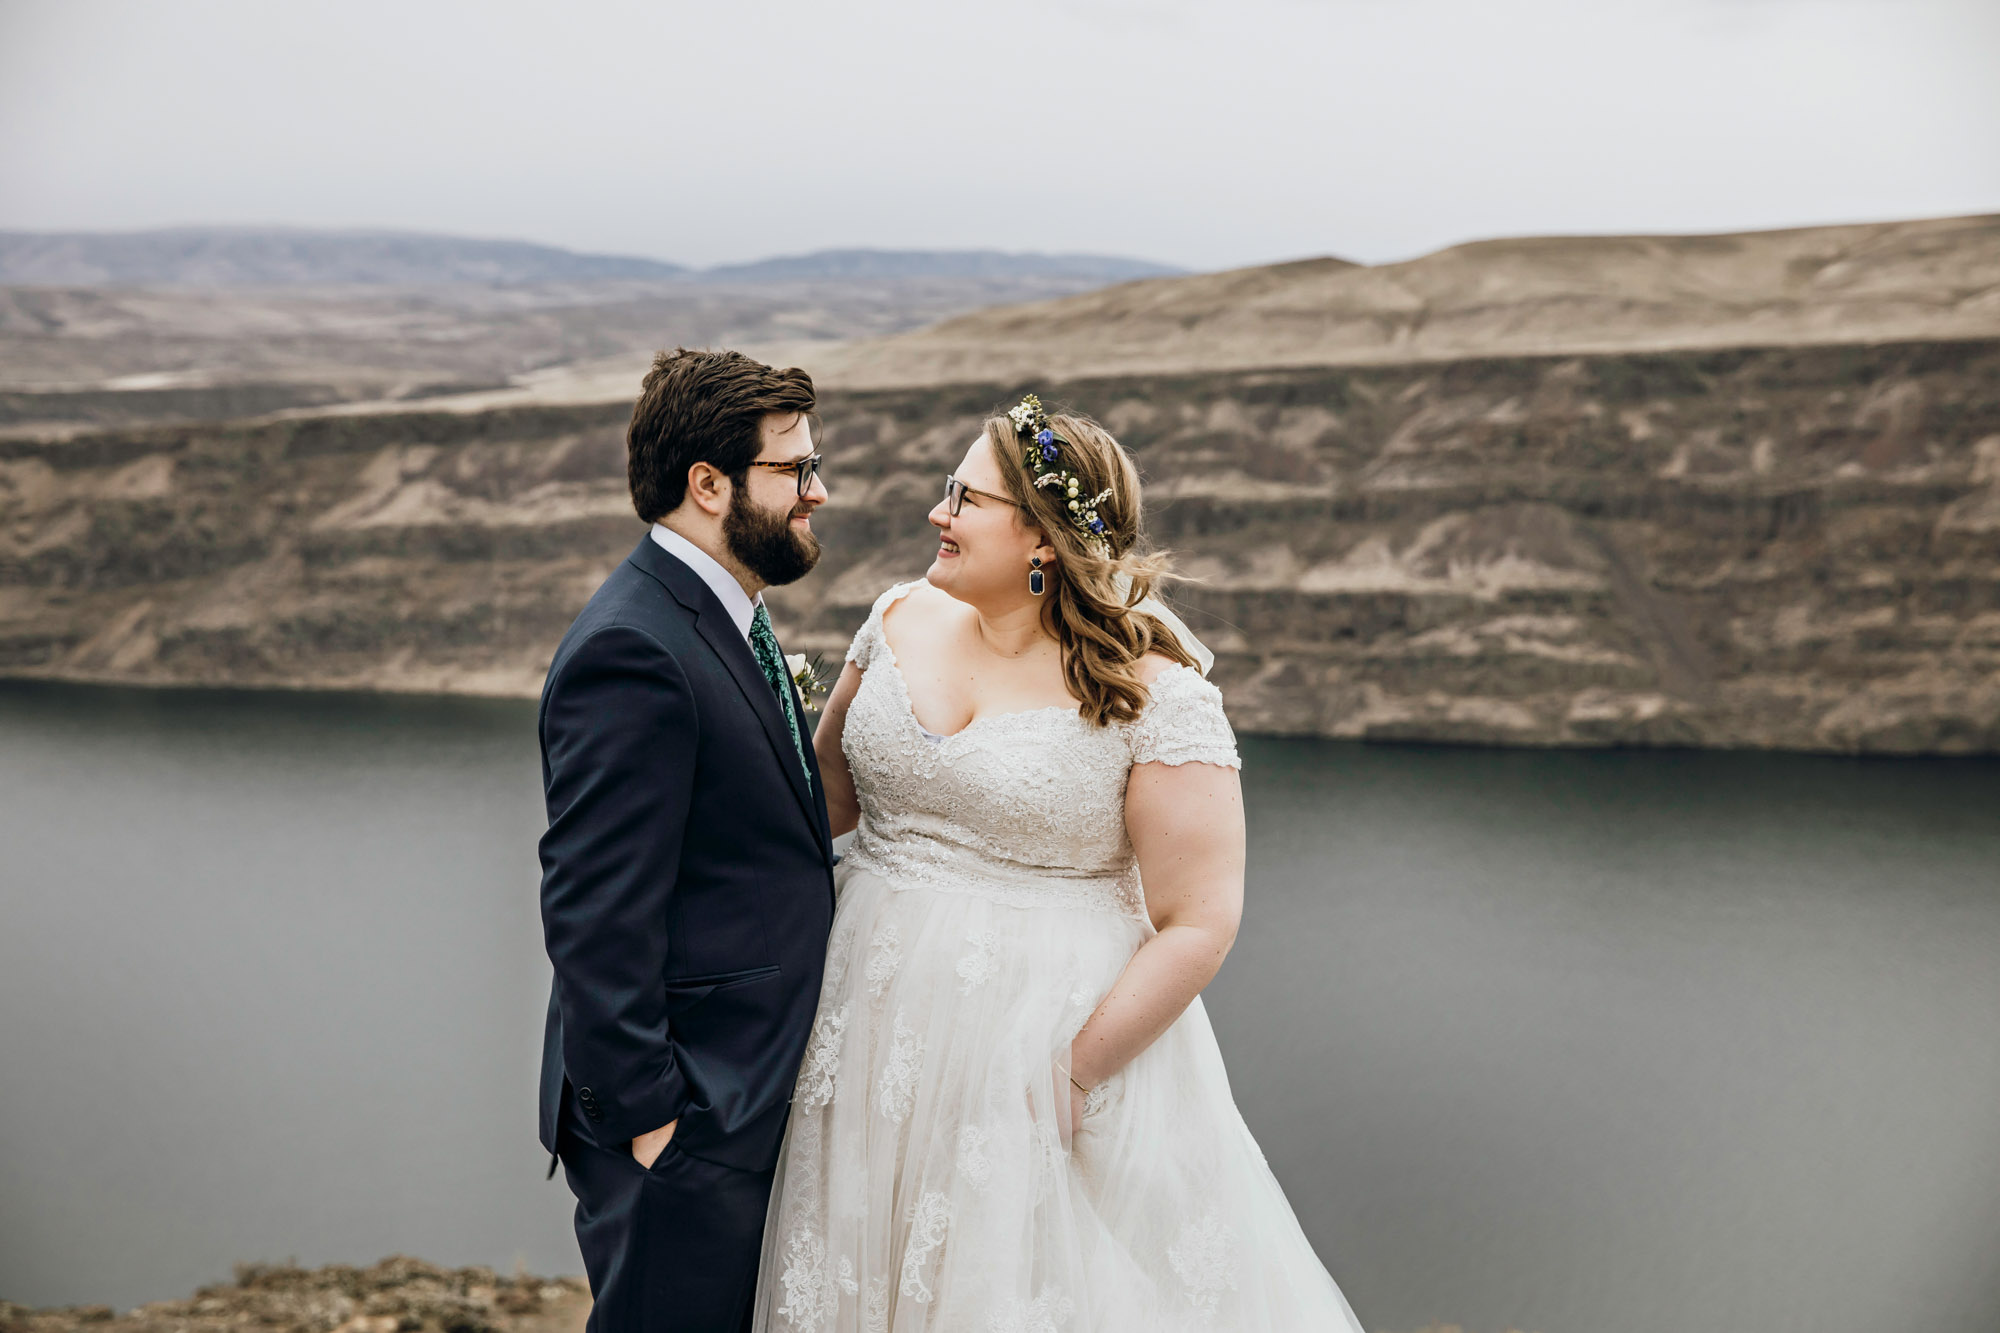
[[1206, 134]]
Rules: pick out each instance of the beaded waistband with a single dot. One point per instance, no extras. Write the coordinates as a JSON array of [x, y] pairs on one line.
[[927, 864]]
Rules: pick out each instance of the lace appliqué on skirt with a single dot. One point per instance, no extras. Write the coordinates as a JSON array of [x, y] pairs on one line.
[[811, 1298], [1049, 1312], [927, 1228], [885, 954], [896, 1095], [815, 1087], [1204, 1259], [981, 957]]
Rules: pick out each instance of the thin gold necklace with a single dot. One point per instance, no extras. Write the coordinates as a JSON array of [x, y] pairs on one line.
[[987, 644]]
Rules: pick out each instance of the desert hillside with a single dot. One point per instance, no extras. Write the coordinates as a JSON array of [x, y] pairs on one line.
[[1716, 491], [1541, 296], [1784, 547]]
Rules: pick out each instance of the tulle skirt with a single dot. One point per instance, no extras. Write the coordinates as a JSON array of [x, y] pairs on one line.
[[931, 1178]]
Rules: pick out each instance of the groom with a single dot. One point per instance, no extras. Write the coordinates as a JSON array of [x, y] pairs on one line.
[[687, 885]]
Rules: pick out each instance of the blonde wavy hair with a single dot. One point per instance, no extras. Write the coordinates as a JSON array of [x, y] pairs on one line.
[[1090, 608]]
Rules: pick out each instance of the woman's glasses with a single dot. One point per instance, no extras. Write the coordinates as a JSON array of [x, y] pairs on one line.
[[807, 468], [955, 492]]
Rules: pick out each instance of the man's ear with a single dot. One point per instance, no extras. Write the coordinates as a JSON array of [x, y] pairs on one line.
[[709, 488]]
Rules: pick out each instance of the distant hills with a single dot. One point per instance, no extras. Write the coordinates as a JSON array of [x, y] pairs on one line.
[[286, 257], [1934, 278], [877, 265], [280, 257]]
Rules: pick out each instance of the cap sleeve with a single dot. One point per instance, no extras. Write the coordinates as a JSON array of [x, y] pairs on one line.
[[1183, 723], [868, 641]]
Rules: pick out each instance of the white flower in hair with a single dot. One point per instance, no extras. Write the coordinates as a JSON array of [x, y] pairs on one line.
[[1026, 413]]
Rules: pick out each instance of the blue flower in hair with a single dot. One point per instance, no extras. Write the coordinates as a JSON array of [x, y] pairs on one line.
[[1041, 456]]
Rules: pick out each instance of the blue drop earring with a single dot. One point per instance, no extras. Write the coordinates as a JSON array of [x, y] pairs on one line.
[[1036, 584]]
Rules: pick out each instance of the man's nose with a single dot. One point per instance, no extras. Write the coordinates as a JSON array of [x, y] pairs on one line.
[[815, 491]]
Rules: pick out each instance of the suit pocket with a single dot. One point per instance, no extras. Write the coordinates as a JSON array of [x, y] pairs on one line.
[[664, 1163], [683, 993]]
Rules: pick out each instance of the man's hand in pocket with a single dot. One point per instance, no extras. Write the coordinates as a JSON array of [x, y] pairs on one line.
[[646, 1149]]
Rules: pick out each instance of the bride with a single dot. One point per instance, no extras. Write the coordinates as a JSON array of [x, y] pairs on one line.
[[1013, 1116]]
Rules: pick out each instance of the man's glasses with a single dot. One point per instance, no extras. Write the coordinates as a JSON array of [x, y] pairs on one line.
[[955, 492], [807, 468]]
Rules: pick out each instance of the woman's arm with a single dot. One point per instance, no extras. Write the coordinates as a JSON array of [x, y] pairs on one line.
[[1186, 824], [843, 812]]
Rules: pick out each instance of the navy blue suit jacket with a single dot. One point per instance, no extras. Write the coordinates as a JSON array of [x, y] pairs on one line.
[[687, 875]]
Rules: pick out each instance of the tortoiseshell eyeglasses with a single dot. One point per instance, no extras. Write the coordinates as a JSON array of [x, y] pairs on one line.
[[807, 468]]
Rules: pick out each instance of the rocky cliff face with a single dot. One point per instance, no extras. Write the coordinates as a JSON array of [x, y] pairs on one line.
[[1794, 548]]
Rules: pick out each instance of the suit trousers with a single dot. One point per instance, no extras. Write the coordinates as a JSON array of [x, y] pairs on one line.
[[671, 1248]]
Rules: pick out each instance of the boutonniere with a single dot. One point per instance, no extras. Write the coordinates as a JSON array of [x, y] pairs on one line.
[[807, 675]]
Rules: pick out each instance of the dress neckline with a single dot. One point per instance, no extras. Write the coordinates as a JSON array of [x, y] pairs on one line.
[[909, 709], [939, 738]]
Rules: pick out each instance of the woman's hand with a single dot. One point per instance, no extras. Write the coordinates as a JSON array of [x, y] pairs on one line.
[[1064, 1099]]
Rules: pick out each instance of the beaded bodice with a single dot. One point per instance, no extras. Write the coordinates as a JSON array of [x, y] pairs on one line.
[[1025, 807]]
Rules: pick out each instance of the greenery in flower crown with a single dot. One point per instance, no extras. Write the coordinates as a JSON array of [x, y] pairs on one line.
[[1042, 455]]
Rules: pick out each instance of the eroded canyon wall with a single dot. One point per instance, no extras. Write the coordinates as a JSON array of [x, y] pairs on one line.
[[1784, 547]]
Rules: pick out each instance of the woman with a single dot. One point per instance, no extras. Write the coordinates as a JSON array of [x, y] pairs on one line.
[[1012, 1114]]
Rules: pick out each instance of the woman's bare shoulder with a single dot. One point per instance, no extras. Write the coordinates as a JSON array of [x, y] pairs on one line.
[[920, 608], [915, 593]]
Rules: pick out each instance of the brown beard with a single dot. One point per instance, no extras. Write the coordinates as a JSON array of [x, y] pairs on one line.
[[764, 542]]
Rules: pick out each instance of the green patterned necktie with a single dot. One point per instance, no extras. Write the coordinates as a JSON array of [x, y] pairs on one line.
[[764, 644]]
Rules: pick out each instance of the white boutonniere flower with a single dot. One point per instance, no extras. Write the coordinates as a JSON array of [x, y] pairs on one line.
[[806, 675]]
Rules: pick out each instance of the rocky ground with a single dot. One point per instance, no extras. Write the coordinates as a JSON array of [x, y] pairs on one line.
[[1795, 548], [397, 1295]]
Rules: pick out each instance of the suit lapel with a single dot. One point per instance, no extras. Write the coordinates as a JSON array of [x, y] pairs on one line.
[[818, 782], [712, 622], [721, 633]]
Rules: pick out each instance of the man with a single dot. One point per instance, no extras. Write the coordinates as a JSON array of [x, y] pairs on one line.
[[687, 885]]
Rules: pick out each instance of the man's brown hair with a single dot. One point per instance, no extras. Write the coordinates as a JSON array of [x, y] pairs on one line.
[[702, 407]]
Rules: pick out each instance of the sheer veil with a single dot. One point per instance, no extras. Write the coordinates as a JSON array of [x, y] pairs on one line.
[[1157, 609]]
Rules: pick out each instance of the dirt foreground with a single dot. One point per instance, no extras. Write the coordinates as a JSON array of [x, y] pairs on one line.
[[397, 1295]]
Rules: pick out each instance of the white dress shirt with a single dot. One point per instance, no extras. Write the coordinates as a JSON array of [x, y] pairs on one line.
[[719, 580]]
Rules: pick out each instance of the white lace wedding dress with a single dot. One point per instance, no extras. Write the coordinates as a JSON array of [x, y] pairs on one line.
[[988, 902]]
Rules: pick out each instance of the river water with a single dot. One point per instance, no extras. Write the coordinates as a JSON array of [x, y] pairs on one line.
[[1568, 1042]]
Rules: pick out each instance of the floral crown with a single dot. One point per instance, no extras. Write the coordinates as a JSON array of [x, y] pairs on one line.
[[1042, 455]]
